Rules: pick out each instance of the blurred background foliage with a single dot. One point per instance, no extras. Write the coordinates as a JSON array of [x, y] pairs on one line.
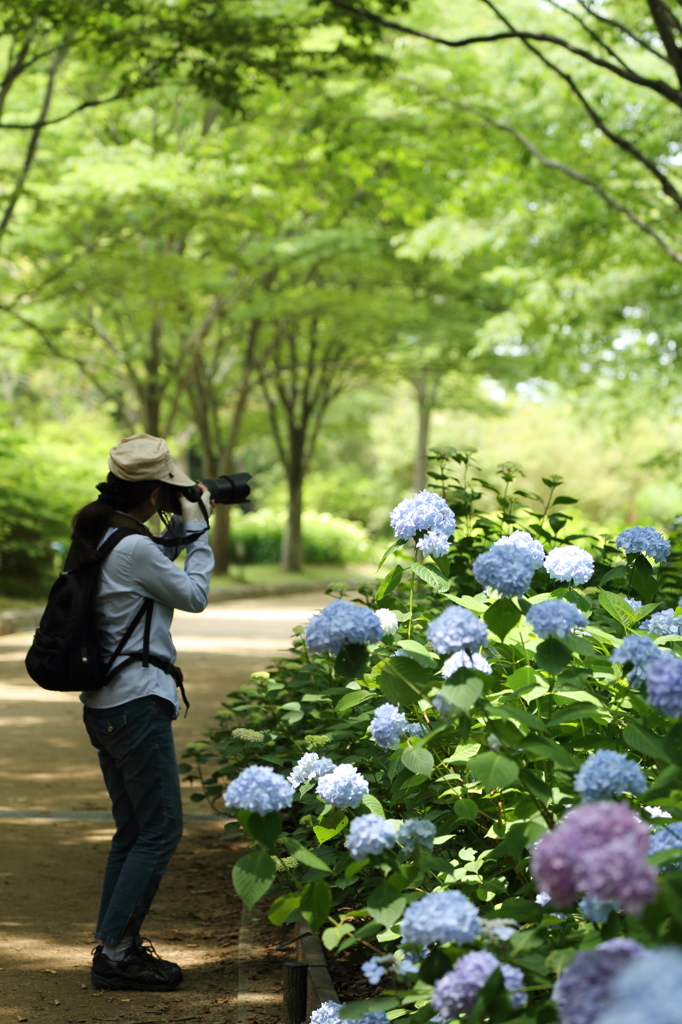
[[299, 242]]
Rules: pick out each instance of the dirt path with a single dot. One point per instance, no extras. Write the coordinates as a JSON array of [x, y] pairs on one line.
[[50, 870]]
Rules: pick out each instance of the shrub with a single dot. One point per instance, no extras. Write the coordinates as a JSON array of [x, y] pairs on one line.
[[326, 539]]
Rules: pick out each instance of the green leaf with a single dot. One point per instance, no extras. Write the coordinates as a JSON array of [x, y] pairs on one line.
[[418, 760], [323, 833], [252, 876], [665, 857], [420, 654], [639, 738], [389, 551], [304, 856], [386, 904], [494, 771], [282, 907], [523, 679], [672, 744], [466, 809], [351, 700], [316, 903], [617, 573], [354, 1011], [537, 786], [465, 695], [526, 718], [403, 681], [546, 749], [331, 937], [617, 607], [265, 828], [372, 805], [552, 656], [389, 583], [472, 603], [351, 661], [502, 616], [436, 964], [643, 579], [574, 712], [432, 576]]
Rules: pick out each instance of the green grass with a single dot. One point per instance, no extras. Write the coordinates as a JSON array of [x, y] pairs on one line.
[[13, 604], [261, 574]]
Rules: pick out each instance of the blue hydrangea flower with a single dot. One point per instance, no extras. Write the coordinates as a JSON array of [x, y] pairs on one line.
[[554, 618], [416, 831], [421, 513], [465, 659], [543, 898], [434, 543], [387, 726], [374, 969], [328, 1013], [667, 837], [523, 540], [388, 620], [441, 917], [310, 766], [339, 623], [456, 629], [644, 540], [648, 990], [369, 835], [415, 729], [499, 928], [641, 652], [259, 789], [596, 910], [663, 623], [508, 570], [634, 603], [664, 686], [408, 963], [607, 773], [457, 991], [570, 564], [344, 787], [583, 988]]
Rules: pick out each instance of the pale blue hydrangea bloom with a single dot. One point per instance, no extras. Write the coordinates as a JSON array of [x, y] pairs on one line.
[[597, 911], [508, 570], [339, 623], [584, 987], [644, 540], [387, 726], [457, 991], [554, 618], [663, 623], [434, 543], [408, 963], [425, 511], [465, 659], [374, 968], [369, 835], [388, 620], [310, 766], [415, 729], [499, 928], [375, 1017], [327, 1013], [570, 564], [456, 629], [646, 991], [259, 789], [344, 787], [641, 652], [667, 837], [608, 773], [664, 686], [416, 831], [441, 917], [634, 603], [523, 540], [543, 898]]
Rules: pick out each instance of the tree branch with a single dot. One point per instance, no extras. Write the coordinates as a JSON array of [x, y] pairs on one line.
[[586, 6]]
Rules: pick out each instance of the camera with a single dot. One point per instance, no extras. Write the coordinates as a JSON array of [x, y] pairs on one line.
[[225, 490]]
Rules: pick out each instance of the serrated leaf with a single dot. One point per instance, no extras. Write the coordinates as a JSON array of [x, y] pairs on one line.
[[522, 679], [389, 551], [389, 583], [351, 661], [466, 809], [526, 718], [546, 749], [617, 607], [552, 656], [420, 654], [418, 760], [472, 603], [432, 576], [305, 856], [617, 573], [502, 616], [639, 738], [643, 579], [465, 695], [372, 805], [386, 904], [316, 903], [324, 833], [351, 700], [403, 681], [494, 771], [265, 828], [252, 876]]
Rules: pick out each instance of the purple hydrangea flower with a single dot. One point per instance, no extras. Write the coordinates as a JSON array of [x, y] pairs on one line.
[[664, 686], [310, 766], [570, 564], [465, 659], [434, 543], [441, 917], [259, 789], [584, 987], [328, 1013], [597, 911], [607, 773], [369, 834], [648, 990], [456, 629], [554, 618], [644, 540], [523, 540], [425, 511], [667, 837], [387, 726], [416, 831], [508, 570], [664, 623], [339, 623], [344, 787], [641, 652], [598, 848], [457, 991]]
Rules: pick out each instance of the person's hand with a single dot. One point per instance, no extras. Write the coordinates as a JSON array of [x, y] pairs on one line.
[[190, 510]]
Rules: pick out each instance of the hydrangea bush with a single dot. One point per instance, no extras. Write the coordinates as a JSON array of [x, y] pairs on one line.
[[473, 773]]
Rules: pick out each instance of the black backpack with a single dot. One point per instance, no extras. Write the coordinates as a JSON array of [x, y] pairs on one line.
[[65, 653]]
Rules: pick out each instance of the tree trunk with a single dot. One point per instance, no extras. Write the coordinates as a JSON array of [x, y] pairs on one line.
[[419, 477], [220, 538], [292, 539]]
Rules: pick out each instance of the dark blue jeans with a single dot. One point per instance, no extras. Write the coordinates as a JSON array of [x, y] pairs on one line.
[[137, 757]]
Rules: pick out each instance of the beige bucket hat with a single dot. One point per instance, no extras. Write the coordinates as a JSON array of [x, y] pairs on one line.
[[144, 457]]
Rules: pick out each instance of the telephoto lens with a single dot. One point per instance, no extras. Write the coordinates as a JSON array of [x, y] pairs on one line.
[[225, 490]]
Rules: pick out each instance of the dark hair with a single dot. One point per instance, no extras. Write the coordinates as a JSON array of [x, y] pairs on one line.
[[90, 522]]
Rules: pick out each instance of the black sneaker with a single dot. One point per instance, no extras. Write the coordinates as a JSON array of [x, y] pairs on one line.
[[141, 969]]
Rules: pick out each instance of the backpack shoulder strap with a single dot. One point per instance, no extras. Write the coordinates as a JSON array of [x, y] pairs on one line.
[[110, 543]]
